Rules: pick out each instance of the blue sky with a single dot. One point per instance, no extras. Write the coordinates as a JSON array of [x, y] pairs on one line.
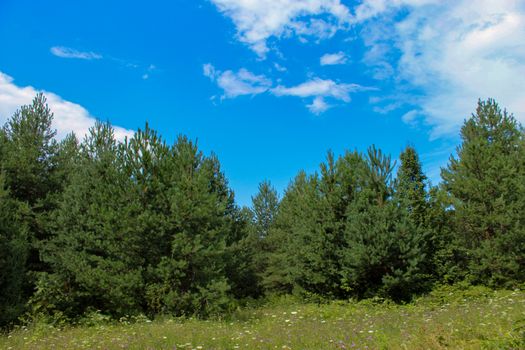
[[268, 85]]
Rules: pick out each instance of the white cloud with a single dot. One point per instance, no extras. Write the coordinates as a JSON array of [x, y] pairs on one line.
[[279, 68], [320, 89], [242, 82], [370, 9], [333, 58], [66, 52], [209, 71], [440, 56], [68, 116], [410, 117], [454, 52], [151, 68], [259, 20], [318, 105]]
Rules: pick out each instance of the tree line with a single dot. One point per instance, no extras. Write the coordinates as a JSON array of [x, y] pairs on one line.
[[143, 227]]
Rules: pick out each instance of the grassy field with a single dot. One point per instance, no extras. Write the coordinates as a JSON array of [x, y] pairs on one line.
[[475, 318]]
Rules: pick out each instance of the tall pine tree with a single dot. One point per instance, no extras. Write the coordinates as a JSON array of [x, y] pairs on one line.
[[486, 181], [29, 167], [96, 252], [385, 252], [191, 278]]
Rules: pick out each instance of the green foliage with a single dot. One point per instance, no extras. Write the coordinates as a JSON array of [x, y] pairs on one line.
[[100, 229], [385, 254], [30, 152], [141, 227], [95, 253], [449, 258], [246, 257], [452, 318], [191, 278], [342, 234], [265, 205], [14, 249], [299, 249], [309, 229], [28, 182], [410, 187], [486, 181], [385, 251]]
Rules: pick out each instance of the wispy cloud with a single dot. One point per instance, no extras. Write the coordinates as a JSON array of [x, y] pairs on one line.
[[151, 68], [279, 68], [440, 55], [452, 52], [209, 71], [333, 59], [67, 52], [318, 105], [68, 116], [258, 21], [318, 87], [410, 117], [242, 82]]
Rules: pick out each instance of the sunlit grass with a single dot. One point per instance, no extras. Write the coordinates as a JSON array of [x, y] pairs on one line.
[[449, 318]]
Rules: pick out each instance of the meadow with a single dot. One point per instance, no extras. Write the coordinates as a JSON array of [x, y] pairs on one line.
[[448, 318]]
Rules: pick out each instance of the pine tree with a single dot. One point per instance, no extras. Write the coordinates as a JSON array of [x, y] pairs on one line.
[[146, 163], [28, 164], [264, 206], [248, 254], [448, 250], [191, 278], [410, 193], [285, 240], [307, 240], [14, 248], [486, 181], [410, 186], [95, 253], [384, 252], [30, 152]]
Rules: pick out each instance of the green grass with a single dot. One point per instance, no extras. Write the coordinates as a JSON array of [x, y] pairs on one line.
[[475, 318]]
